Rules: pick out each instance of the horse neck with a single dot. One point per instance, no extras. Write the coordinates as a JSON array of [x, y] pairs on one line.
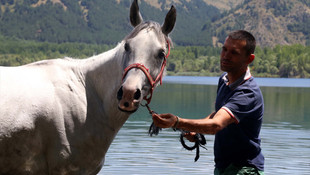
[[104, 69], [102, 76]]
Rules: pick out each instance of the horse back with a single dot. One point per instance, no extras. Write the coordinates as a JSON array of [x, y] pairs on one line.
[[34, 100]]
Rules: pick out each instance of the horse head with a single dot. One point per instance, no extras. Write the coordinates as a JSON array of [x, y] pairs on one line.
[[145, 52]]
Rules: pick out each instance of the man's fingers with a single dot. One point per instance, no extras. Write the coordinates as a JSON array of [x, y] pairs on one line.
[[162, 120], [190, 136]]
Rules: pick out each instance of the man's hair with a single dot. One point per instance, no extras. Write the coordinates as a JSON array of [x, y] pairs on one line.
[[247, 36]]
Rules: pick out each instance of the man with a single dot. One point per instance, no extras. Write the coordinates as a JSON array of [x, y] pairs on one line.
[[238, 114]]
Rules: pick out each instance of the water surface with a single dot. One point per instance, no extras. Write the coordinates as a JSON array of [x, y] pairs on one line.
[[285, 133]]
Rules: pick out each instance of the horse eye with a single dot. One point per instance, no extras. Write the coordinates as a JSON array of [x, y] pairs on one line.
[[127, 47], [161, 55]]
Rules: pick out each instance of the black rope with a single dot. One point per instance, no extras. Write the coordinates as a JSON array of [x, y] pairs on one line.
[[200, 140], [154, 130]]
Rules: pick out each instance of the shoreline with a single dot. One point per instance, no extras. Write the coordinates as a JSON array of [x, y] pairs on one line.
[[269, 82]]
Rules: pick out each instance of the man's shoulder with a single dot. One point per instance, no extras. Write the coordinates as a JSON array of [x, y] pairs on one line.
[[251, 88]]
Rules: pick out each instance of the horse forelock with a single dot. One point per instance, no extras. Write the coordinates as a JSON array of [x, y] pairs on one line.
[[149, 25]]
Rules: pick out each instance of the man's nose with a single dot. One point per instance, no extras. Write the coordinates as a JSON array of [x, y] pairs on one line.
[[226, 55]]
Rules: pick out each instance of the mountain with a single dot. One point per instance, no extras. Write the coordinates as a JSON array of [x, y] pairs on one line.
[[224, 4], [199, 22], [271, 21], [97, 21]]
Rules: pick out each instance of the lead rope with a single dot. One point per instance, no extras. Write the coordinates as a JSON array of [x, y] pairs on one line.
[[200, 140]]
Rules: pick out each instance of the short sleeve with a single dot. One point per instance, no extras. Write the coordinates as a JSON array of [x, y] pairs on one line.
[[242, 104]]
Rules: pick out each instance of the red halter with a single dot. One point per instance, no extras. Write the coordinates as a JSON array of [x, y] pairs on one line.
[[148, 75]]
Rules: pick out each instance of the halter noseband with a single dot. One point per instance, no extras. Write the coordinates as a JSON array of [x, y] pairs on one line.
[[148, 75]]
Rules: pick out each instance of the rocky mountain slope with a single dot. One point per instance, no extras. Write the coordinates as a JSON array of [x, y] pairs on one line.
[[272, 22], [199, 22]]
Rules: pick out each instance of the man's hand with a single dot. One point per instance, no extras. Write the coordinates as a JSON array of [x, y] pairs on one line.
[[190, 136], [164, 120]]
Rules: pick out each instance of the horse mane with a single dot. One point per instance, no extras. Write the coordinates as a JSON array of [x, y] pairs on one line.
[[151, 25]]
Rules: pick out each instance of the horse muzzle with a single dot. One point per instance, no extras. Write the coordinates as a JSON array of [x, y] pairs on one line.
[[128, 99]]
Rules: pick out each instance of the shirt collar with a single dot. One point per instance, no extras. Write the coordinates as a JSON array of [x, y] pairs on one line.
[[247, 75]]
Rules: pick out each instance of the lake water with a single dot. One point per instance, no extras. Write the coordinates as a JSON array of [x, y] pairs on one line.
[[285, 133]]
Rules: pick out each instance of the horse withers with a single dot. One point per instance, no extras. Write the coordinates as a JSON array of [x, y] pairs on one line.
[[60, 116]]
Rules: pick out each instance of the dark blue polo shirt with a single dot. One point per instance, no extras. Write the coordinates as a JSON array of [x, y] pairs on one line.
[[239, 143]]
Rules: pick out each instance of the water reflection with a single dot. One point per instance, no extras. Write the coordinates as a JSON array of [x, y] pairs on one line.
[[287, 105], [286, 149], [190, 101], [283, 104], [134, 152], [285, 134]]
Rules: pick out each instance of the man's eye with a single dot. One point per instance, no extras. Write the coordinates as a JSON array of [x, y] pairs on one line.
[[234, 52]]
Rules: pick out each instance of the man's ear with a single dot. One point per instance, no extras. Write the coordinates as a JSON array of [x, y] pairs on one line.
[[251, 58]]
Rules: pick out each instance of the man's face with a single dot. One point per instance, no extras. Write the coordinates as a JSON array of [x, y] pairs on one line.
[[233, 56]]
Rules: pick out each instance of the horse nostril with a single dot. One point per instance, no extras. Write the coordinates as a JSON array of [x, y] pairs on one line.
[[120, 93], [126, 104], [137, 94]]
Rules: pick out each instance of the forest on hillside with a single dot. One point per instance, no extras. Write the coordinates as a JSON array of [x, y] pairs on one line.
[[280, 61], [96, 21], [107, 22]]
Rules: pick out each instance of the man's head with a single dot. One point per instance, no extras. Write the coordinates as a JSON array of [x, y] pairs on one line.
[[238, 52], [247, 36]]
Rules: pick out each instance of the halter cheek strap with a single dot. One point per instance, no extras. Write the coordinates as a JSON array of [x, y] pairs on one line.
[[148, 75]]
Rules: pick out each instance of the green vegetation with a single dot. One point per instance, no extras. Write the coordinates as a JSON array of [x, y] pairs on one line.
[[56, 29], [107, 22], [96, 21], [283, 61], [15, 52], [280, 61]]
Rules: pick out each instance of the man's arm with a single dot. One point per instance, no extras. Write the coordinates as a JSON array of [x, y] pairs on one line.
[[209, 125]]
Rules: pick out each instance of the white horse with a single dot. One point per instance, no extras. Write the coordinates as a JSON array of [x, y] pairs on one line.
[[60, 116]]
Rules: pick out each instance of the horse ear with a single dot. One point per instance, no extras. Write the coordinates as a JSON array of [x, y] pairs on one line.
[[135, 16], [169, 21]]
